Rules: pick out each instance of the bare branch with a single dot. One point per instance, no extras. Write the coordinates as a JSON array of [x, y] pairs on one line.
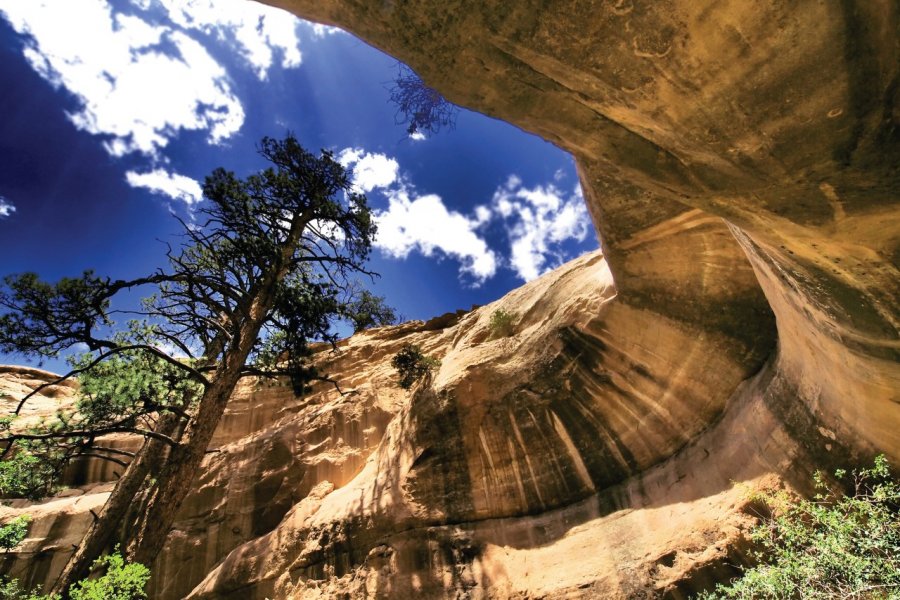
[[84, 433], [102, 457]]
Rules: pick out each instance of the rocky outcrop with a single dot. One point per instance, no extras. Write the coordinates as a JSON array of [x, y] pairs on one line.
[[741, 165], [514, 444], [708, 133]]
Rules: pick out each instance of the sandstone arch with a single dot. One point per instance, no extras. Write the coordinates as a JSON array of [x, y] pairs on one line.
[[742, 165], [737, 159]]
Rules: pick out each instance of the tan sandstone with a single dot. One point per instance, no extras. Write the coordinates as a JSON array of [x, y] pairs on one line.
[[741, 161]]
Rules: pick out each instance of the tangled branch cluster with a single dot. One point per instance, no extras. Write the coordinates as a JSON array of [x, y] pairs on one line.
[[421, 108]]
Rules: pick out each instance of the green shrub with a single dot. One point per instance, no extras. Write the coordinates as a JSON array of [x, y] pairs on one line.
[[13, 532], [11, 535], [501, 323], [122, 581], [10, 590], [833, 546], [412, 365], [30, 472]]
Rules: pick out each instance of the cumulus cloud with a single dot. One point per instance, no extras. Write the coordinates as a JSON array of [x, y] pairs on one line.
[[173, 185], [140, 74], [6, 208], [417, 136], [321, 31], [425, 224], [370, 170], [538, 220], [136, 84], [259, 32]]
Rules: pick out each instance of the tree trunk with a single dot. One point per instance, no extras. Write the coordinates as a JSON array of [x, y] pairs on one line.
[[147, 538], [102, 532], [144, 539]]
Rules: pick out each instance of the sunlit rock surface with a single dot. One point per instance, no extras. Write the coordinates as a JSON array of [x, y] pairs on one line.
[[741, 161]]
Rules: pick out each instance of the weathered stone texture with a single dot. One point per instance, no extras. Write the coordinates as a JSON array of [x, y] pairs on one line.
[[741, 161]]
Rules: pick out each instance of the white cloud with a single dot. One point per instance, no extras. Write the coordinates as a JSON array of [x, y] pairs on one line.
[[136, 84], [258, 31], [417, 136], [321, 31], [173, 185], [425, 224], [538, 220], [370, 170], [483, 214], [6, 208]]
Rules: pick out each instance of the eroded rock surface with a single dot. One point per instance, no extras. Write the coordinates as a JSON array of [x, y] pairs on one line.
[[741, 161], [742, 164]]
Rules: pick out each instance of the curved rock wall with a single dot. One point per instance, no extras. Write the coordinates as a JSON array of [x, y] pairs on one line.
[[741, 162], [780, 119]]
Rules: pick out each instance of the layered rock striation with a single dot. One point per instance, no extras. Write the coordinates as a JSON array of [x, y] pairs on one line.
[[742, 165]]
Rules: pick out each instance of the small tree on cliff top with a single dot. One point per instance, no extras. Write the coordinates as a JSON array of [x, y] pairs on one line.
[[365, 310], [412, 365], [255, 280]]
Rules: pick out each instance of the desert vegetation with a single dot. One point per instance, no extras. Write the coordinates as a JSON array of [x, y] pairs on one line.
[[842, 543], [413, 365]]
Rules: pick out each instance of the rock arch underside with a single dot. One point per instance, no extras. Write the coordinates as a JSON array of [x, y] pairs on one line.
[[741, 161]]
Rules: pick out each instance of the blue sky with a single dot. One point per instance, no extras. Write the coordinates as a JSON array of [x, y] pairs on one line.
[[113, 112]]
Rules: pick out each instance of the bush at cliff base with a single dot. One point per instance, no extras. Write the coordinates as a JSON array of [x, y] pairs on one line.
[[836, 545], [121, 581]]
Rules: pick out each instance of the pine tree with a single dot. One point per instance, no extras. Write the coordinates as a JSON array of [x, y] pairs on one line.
[[257, 277]]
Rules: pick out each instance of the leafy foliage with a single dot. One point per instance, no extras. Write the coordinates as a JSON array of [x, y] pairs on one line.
[[121, 581], [120, 394], [30, 472], [128, 386], [834, 546], [412, 365], [10, 590], [301, 312], [367, 310], [11, 535], [421, 108], [502, 323], [13, 532]]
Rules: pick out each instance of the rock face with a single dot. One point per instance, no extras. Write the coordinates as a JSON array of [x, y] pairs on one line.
[[521, 453], [742, 164], [712, 137]]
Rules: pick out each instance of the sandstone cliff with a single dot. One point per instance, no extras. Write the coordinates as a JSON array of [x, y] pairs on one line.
[[565, 460], [502, 477], [741, 161]]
